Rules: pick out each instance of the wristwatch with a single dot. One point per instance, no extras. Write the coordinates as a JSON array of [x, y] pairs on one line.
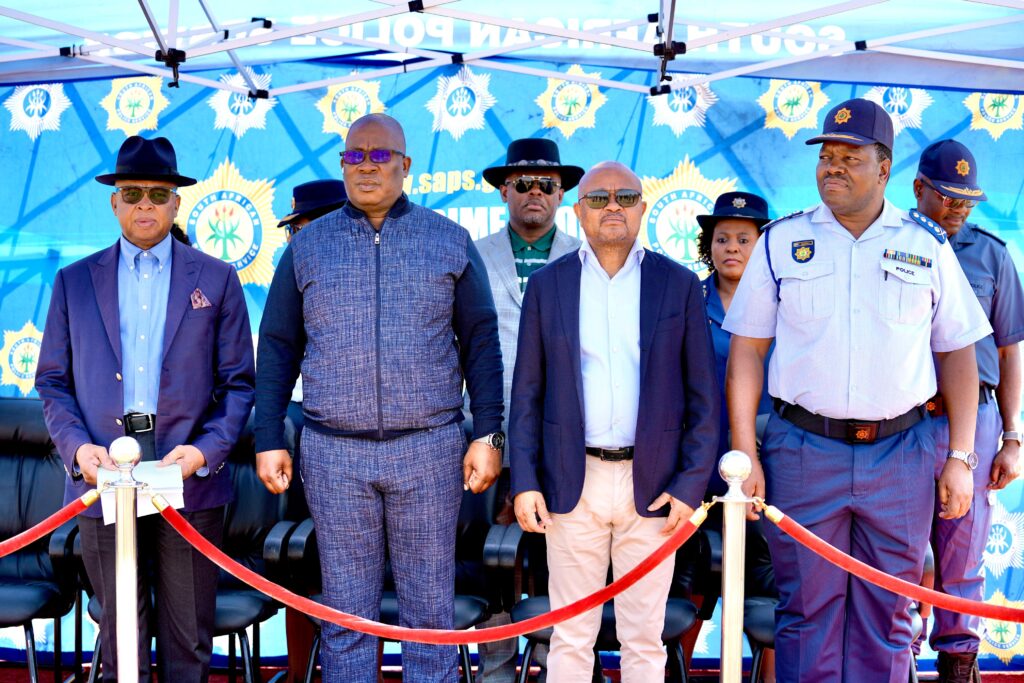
[[495, 440], [1012, 436], [968, 458]]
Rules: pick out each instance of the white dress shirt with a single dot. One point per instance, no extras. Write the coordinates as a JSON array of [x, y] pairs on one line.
[[610, 348], [855, 321]]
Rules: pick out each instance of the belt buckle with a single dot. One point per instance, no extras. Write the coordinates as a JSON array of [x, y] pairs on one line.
[[935, 406], [132, 417], [612, 454], [861, 432]]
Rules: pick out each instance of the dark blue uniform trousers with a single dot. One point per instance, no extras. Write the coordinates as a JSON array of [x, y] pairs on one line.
[[960, 543], [405, 493], [872, 501]]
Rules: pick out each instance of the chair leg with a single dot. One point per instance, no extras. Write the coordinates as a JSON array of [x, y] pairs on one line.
[[314, 652], [248, 675], [58, 655], [467, 664], [524, 671], [756, 662], [30, 653], [78, 637], [231, 658], [913, 669], [256, 663], [97, 654], [676, 662]]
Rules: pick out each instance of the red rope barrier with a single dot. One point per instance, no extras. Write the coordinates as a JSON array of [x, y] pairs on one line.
[[426, 635], [29, 536], [890, 583]]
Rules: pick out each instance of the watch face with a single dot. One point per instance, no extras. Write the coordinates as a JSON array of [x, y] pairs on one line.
[[972, 459], [497, 440]]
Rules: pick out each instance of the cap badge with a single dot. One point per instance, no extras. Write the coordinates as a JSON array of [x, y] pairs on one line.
[[739, 202], [962, 167], [843, 116]]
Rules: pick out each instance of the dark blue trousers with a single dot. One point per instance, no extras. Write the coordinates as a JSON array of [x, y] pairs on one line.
[[401, 497], [872, 501]]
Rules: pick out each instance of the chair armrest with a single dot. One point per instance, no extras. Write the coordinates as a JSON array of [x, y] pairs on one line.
[[713, 539], [275, 549], [711, 545], [61, 549], [303, 557]]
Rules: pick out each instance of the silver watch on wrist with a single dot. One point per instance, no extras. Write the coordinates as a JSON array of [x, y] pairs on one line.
[[495, 440], [1012, 436], [968, 458]]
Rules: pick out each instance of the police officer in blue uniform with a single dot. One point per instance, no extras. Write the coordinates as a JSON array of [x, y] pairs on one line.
[[857, 295], [947, 189]]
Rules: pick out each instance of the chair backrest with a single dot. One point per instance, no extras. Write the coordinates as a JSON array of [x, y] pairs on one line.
[[253, 511], [34, 487]]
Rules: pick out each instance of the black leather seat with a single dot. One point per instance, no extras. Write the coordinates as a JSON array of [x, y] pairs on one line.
[[39, 581]]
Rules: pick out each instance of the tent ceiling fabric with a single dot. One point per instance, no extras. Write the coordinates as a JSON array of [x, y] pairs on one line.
[[969, 44]]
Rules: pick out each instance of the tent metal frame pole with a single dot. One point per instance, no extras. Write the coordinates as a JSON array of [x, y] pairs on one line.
[[243, 70], [154, 28], [376, 73], [944, 30], [562, 76], [28, 45], [172, 23], [38, 54], [741, 31], [102, 38], [1011, 4], [948, 57], [305, 29], [758, 66], [774, 33], [162, 72], [538, 42]]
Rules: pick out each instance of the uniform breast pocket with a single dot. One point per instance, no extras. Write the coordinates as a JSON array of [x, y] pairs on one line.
[[984, 288], [906, 293], [808, 291]]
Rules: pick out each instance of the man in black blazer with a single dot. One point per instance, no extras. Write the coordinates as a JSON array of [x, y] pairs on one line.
[[614, 420]]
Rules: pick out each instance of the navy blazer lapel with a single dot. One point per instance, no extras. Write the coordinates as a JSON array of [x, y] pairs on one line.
[[184, 276], [568, 299], [104, 282], [652, 291]]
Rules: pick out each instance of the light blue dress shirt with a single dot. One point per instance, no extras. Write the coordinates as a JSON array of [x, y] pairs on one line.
[[143, 284]]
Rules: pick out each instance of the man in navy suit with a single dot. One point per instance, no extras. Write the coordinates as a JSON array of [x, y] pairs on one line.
[[150, 338], [605, 330]]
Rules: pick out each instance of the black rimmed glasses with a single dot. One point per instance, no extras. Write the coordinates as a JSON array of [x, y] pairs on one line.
[[525, 183], [598, 199], [157, 195], [354, 157], [951, 202]]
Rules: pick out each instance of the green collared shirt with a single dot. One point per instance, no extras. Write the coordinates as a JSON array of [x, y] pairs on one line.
[[530, 257]]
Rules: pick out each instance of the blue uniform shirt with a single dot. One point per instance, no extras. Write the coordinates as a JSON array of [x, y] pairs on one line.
[[143, 285], [993, 277]]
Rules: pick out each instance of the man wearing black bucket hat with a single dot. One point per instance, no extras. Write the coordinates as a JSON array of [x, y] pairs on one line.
[[857, 295], [532, 182], [946, 188], [150, 338], [312, 200]]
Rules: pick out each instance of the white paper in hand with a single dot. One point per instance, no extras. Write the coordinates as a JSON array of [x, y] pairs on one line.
[[165, 481]]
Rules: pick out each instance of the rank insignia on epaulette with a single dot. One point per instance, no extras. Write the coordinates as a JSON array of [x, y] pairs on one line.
[[803, 250], [912, 259], [928, 224]]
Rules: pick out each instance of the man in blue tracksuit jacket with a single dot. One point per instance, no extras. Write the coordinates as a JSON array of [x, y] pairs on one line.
[[386, 308]]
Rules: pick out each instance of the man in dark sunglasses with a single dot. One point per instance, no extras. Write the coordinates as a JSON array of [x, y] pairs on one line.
[[385, 306], [947, 189], [605, 481], [150, 339], [532, 183]]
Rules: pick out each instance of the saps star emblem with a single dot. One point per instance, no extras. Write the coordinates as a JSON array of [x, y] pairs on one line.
[[1002, 638], [792, 105], [1005, 546], [37, 108], [20, 355], [133, 104], [346, 102], [238, 112], [460, 102], [571, 105], [995, 113], [682, 108], [905, 106], [232, 218], [963, 167], [673, 203]]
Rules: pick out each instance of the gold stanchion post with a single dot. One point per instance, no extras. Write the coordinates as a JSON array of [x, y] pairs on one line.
[[125, 452], [734, 467]]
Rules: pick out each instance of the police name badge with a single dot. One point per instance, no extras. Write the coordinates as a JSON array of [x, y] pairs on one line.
[[802, 250]]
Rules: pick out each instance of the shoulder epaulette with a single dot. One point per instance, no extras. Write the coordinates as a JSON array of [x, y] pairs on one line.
[[775, 222], [986, 233], [928, 224]]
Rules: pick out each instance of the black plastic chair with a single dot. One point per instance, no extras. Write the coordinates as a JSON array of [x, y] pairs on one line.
[[39, 581]]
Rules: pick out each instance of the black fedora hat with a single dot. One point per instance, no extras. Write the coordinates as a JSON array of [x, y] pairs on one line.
[[142, 159], [319, 196], [744, 205], [531, 154]]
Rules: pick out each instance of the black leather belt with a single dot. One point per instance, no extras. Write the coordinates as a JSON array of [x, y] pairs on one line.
[[136, 423], [611, 454], [850, 431], [937, 407]]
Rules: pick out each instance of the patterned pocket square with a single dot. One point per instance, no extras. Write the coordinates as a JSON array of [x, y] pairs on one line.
[[199, 300]]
